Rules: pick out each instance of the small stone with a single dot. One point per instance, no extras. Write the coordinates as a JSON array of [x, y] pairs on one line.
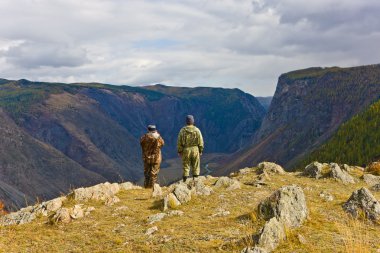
[[220, 213], [301, 239], [254, 250], [156, 217], [326, 196], [62, 215], [77, 212], [175, 213], [111, 201], [151, 230], [119, 228]]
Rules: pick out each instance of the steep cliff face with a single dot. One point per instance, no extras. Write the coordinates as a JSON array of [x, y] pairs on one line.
[[307, 108], [79, 134]]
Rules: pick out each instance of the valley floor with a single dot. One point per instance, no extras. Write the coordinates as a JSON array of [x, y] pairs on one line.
[[205, 225]]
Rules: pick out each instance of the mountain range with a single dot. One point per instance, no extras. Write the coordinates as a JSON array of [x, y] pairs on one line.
[[57, 136]]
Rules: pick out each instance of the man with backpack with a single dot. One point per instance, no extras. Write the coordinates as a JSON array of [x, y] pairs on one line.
[[190, 147]]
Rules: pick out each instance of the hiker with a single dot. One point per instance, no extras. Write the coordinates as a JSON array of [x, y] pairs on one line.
[[190, 148], [151, 144]]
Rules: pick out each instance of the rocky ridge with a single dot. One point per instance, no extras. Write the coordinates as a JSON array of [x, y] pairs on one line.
[[281, 203]]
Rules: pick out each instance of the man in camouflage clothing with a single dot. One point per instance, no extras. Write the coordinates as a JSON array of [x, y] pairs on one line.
[[151, 144], [190, 147]]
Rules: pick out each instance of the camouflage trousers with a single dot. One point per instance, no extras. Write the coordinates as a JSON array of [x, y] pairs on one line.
[[151, 173], [191, 161]]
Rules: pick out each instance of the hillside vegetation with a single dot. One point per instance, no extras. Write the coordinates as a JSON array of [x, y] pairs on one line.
[[356, 142]]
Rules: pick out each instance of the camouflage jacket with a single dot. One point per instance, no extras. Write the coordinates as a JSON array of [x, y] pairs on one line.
[[151, 144], [190, 136]]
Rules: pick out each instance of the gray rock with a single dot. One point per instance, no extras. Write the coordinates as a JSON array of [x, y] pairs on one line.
[[314, 170], [287, 204], [171, 201], [201, 189], [97, 192], [20, 217], [156, 217], [376, 188], [340, 175], [62, 215], [157, 191], [88, 210], [77, 212], [129, 186], [151, 230], [362, 201], [229, 183], [371, 179], [270, 168], [182, 192], [246, 171], [54, 204], [271, 235]]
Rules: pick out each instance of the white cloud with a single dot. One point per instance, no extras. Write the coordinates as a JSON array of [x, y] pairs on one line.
[[230, 43]]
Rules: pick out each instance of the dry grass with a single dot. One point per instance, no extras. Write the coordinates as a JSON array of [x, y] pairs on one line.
[[121, 228]]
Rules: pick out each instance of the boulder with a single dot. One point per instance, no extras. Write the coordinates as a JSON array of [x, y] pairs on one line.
[[287, 204], [271, 235], [340, 175], [363, 202], [314, 170], [157, 191], [270, 168], [175, 213], [371, 179], [352, 169], [171, 201], [229, 183], [182, 192]]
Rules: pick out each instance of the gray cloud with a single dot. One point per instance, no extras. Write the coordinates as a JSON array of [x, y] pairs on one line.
[[229, 43]]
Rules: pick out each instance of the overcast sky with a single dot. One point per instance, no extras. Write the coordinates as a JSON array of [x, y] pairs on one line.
[[221, 43]]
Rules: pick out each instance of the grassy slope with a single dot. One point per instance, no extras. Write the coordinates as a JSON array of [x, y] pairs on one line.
[[356, 141], [329, 229]]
